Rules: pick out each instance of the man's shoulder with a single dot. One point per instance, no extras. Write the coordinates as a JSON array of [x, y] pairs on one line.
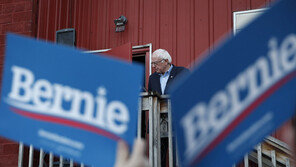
[[180, 69], [154, 75]]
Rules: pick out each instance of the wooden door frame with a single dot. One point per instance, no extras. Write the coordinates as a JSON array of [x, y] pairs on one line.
[[139, 49]]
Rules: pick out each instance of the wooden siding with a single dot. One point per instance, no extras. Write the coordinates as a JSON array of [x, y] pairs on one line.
[[186, 28]]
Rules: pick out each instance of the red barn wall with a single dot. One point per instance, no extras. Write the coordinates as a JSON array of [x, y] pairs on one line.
[[15, 16], [185, 28]]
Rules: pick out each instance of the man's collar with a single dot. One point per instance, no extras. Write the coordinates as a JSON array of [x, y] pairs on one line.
[[167, 72]]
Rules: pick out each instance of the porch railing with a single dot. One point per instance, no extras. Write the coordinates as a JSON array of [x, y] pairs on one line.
[[154, 123]]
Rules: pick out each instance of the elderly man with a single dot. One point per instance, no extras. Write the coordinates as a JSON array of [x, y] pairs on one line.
[[161, 81], [165, 72]]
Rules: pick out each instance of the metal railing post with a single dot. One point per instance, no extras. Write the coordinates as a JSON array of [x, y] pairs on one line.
[[41, 154], [273, 158], [50, 159], [151, 131], [259, 155], [287, 161], [71, 163], [139, 131], [156, 134], [20, 156], [246, 160], [170, 134], [160, 125], [31, 155], [61, 161]]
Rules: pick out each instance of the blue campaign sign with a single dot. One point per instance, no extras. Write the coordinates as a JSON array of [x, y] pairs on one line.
[[240, 93], [62, 100]]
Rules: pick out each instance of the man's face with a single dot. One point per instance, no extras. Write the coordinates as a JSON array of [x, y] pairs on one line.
[[159, 65]]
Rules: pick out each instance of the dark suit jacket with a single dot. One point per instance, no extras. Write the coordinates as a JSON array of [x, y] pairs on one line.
[[154, 79]]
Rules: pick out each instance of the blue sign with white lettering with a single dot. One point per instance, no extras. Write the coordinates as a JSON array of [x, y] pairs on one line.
[[62, 100], [240, 93]]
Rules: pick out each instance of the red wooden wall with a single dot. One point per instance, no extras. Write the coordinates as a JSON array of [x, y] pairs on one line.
[[186, 28], [15, 16]]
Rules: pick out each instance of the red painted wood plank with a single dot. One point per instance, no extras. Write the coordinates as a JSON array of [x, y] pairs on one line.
[[222, 16], [131, 33], [89, 22], [149, 12], [202, 37], [192, 33], [71, 14], [64, 14], [239, 5], [174, 27], [211, 24], [98, 25], [58, 15], [85, 23], [78, 23], [167, 22], [34, 18], [108, 17], [115, 11], [255, 4], [229, 15], [104, 27], [42, 19], [51, 21], [182, 57], [94, 26], [141, 18], [157, 25]]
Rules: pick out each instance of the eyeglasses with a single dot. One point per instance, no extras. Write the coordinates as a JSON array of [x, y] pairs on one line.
[[156, 62]]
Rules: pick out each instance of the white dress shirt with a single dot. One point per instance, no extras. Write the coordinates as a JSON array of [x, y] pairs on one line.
[[164, 79]]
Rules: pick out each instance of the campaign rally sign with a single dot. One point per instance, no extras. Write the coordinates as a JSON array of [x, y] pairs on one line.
[[62, 100], [240, 93]]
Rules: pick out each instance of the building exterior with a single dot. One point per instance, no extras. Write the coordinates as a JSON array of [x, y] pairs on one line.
[[188, 29]]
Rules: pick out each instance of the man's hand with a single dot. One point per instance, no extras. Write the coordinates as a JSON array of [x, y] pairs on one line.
[[136, 159]]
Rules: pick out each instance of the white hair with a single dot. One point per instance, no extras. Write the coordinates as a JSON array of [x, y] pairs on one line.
[[163, 54]]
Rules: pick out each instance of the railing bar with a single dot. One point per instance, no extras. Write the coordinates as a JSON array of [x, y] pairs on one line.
[[31, 155], [154, 142], [273, 159], [170, 134], [20, 156], [287, 161], [259, 155], [41, 154], [151, 132], [61, 161], [50, 159], [246, 160], [71, 163], [139, 118], [157, 132]]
